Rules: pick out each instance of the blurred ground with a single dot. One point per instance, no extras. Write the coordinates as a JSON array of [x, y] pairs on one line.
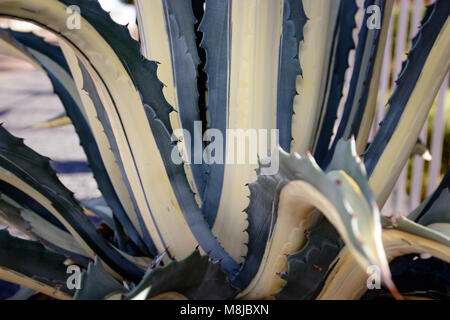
[[26, 99]]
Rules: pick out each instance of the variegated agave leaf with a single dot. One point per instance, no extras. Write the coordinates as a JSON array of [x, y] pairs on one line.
[[280, 245], [30, 173], [401, 236], [167, 36], [348, 280], [257, 79], [99, 208], [37, 228], [360, 103], [294, 21], [431, 219], [216, 43], [342, 45], [308, 268], [29, 264], [134, 107], [196, 278], [97, 284], [436, 209], [418, 82], [50, 59], [406, 225], [342, 194], [315, 55], [103, 133]]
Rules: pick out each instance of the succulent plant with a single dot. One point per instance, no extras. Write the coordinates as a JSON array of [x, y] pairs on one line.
[[201, 230]]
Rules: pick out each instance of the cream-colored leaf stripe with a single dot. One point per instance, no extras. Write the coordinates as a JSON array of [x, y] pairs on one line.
[[372, 98], [16, 277], [314, 55], [358, 223], [251, 104], [403, 140], [137, 147], [34, 226], [155, 46], [295, 215], [348, 280]]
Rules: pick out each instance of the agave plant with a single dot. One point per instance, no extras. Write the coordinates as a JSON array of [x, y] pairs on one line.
[[213, 230]]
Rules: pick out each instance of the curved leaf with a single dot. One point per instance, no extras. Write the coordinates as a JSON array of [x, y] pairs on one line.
[[31, 173], [338, 65], [409, 105], [97, 284], [309, 267], [437, 208], [315, 57], [37, 228], [348, 280], [29, 264], [195, 277], [128, 87], [342, 195], [51, 60], [167, 36], [365, 77], [245, 63]]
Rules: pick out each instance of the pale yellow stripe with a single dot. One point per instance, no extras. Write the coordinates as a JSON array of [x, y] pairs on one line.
[[404, 138], [256, 32], [372, 98], [348, 280], [8, 49], [314, 54], [155, 46], [18, 278], [100, 137]]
